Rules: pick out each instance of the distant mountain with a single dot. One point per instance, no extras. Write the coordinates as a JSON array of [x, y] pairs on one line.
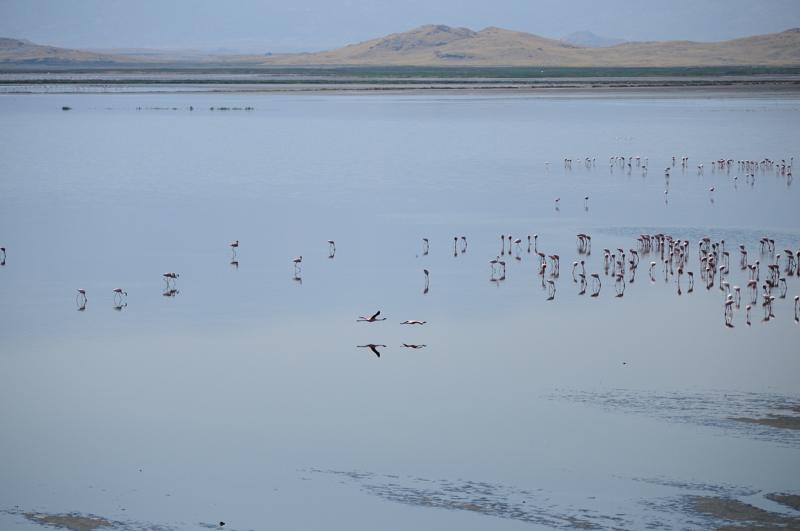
[[22, 52], [587, 39], [446, 46]]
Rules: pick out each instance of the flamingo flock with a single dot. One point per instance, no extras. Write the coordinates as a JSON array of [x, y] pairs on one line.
[[766, 268]]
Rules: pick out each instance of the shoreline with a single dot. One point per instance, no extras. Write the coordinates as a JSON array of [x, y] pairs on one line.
[[628, 88]]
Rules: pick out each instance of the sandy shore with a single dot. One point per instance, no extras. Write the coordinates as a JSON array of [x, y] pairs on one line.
[[741, 516]]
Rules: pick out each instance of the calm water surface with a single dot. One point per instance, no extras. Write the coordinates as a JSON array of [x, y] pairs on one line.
[[244, 398]]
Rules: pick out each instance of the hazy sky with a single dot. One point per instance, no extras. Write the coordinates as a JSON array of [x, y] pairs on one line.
[[310, 25]]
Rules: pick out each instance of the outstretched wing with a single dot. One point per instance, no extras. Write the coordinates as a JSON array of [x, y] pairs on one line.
[[376, 315], [375, 350]]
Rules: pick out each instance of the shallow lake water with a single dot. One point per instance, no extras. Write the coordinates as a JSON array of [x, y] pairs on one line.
[[245, 396]]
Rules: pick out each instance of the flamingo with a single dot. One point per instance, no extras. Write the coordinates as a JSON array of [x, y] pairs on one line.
[[119, 296], [596, 284], [170, 277], [408, 345], [331, 248], [373, 347], [729, 311], [297, 261], [502, 265], [619, 285], [371, 319], [413, 322], [81, 299]]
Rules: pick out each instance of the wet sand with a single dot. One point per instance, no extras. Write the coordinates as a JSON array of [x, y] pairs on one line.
[[774, 421], [72, 521], [717, 512], [790, 500], [741, 516]]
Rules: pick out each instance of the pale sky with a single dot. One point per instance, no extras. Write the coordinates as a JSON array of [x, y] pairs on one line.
[[312, 25]]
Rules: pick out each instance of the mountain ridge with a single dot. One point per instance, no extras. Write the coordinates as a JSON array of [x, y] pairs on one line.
[[441, 45]]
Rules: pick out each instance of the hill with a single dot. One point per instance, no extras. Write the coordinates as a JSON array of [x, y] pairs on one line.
[[22, 52], [445, 46]]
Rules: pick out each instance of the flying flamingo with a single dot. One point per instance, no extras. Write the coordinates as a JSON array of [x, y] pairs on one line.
[[373, 318], [373, 347], [413, 322]]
